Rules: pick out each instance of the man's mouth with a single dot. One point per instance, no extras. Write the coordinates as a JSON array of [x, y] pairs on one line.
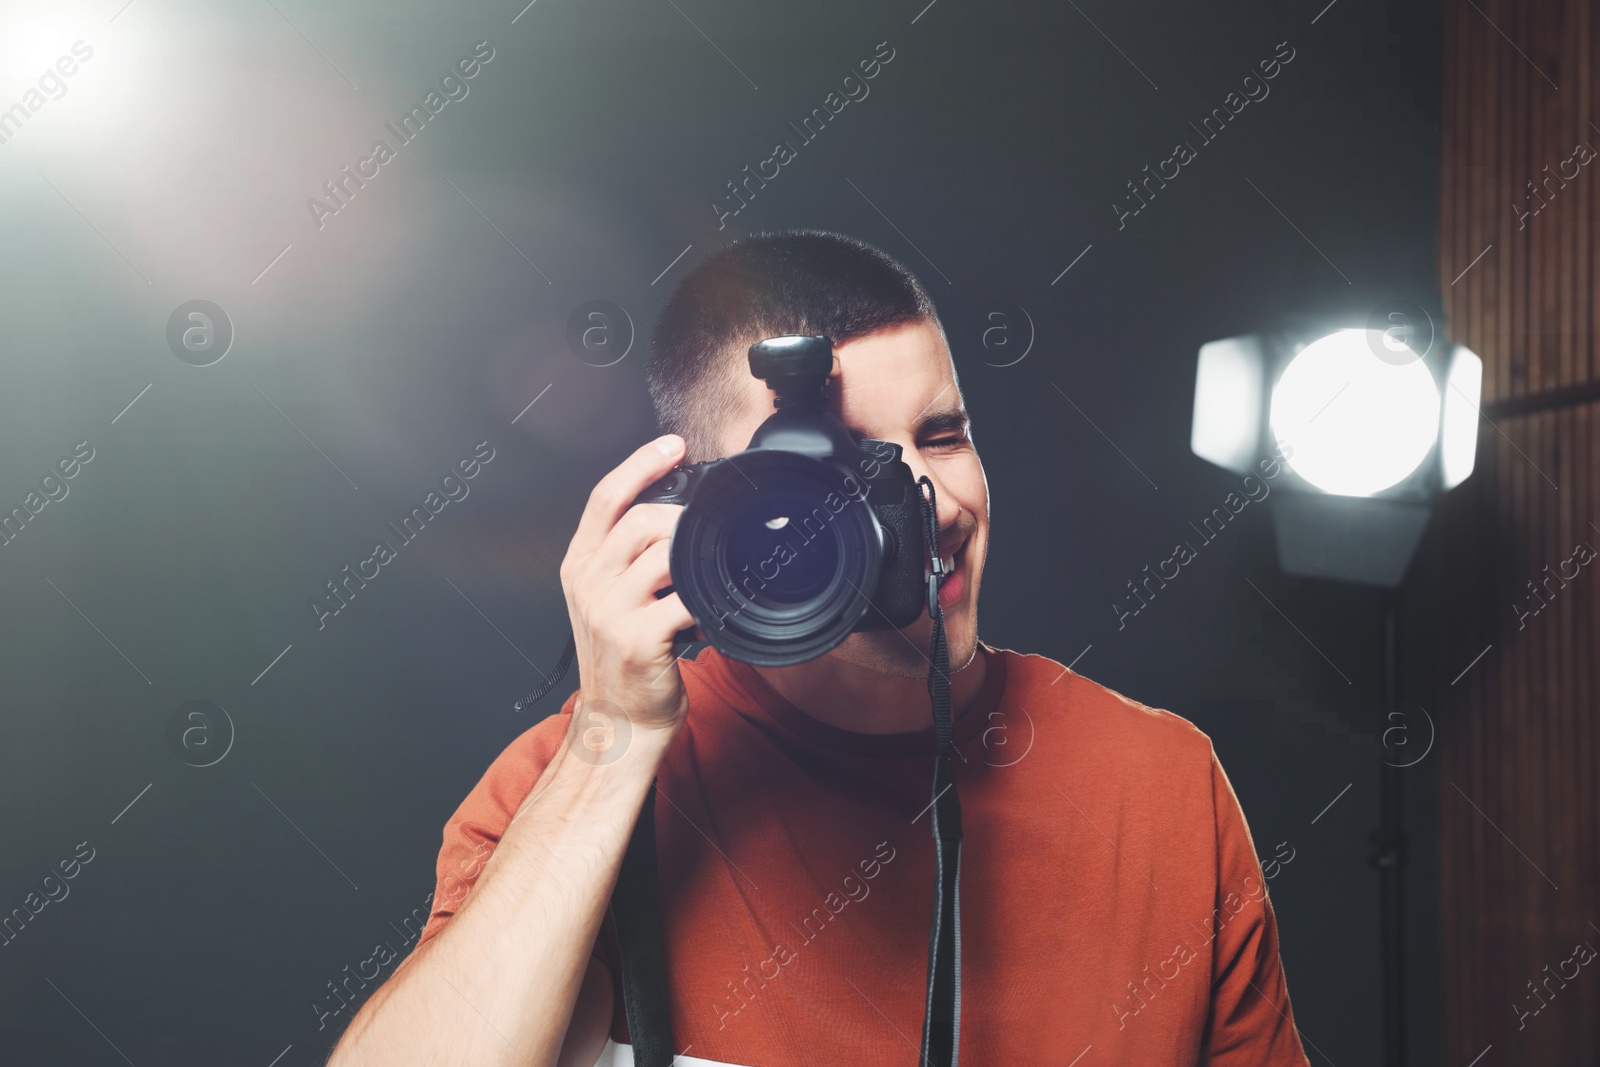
[[954, 583]]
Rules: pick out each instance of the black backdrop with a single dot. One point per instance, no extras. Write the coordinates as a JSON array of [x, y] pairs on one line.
[[377, 346]]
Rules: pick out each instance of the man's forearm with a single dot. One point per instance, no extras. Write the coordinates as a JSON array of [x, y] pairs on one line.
[[498, 983]]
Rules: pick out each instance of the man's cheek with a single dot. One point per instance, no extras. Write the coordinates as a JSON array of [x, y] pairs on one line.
[[965, 480]]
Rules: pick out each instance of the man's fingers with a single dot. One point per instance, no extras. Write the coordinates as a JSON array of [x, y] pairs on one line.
[[668, 616], [641, 527], [637, 585], [616, 491]]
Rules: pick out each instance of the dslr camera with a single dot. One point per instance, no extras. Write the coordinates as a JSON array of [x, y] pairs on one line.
[[809, 535]]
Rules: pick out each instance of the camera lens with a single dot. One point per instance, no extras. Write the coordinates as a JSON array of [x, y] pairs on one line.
[[757, 536], [776, 555]]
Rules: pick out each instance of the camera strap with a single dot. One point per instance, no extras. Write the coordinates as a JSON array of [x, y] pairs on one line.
[[553, 679], [636, 914], [941, 1026]]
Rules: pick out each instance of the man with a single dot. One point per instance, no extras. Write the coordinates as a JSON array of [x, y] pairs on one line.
[[1113, 908]]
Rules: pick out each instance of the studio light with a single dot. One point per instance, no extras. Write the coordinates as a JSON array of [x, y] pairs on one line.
[[1458, 441], [1372, 423], [1354, 425]]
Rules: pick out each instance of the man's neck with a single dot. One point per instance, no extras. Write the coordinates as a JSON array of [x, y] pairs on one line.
[[852, 696]]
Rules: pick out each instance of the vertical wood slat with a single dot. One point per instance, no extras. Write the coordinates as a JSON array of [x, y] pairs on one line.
[[1518, 734], [1565, 273]]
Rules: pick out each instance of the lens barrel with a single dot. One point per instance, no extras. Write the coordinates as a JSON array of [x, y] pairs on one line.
[[776, 555]]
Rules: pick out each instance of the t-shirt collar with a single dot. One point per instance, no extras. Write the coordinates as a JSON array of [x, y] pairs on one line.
[[761, 698]]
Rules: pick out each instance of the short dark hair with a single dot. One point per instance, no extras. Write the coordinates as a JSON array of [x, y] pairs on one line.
[[767, 285]]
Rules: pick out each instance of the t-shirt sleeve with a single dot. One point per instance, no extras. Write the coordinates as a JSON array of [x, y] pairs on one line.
[[1251, 1022], [471, 834]]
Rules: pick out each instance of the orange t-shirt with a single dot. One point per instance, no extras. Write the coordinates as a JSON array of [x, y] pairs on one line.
[[1112, 905]]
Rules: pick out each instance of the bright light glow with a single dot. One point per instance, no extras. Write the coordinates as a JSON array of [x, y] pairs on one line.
[[54, 62], [1458, 440], [1350, 423], [1227, 402], [33, 41]]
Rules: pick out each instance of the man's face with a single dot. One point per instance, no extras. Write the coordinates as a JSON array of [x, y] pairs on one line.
[[899, 385]]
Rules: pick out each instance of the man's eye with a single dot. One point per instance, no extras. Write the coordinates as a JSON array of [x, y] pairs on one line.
[[948, 442]]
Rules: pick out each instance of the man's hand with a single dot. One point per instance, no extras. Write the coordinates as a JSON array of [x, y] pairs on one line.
[[615, 564]]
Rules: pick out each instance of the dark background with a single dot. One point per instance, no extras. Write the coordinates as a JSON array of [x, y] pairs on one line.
[[414, 325]]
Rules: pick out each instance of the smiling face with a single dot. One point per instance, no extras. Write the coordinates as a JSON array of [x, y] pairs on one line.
[[899, 385]]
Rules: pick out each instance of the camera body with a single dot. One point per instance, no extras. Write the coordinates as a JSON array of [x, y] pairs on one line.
[[807, 536]]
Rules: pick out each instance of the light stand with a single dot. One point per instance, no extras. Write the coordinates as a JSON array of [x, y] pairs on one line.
[[1389, 855]]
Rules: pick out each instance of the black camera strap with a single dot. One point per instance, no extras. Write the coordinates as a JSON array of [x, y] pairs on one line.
[[635, 901], [553, 679], [636, 914], [941, 1026]]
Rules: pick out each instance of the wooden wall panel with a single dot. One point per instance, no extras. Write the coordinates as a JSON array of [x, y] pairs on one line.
[[1519, 742]]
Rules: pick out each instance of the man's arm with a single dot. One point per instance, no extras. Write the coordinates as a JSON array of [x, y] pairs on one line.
[[500, 982], [1251, 1022]]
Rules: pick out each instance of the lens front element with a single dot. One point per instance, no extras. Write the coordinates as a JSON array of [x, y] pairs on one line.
[[776, 555]]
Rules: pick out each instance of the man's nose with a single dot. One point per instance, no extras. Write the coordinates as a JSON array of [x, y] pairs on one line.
[[948, 510]]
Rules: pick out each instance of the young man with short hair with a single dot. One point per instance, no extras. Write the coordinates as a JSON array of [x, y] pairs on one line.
[[1113, 907]]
